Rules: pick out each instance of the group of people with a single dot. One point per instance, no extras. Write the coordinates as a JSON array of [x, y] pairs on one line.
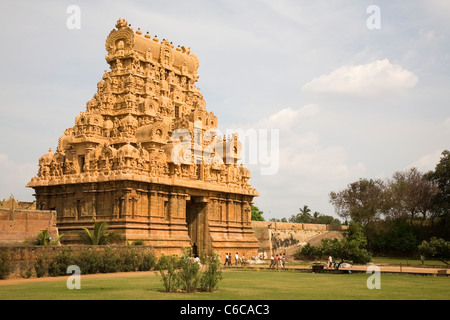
[[278, 261], [228, 259]]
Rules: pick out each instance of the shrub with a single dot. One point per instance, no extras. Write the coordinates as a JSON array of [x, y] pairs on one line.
[[89, 261], [212, 274], [41, 266], [309, 252], [110, 261], [168, 266], [189, 272], [147, 261], [58, 265]]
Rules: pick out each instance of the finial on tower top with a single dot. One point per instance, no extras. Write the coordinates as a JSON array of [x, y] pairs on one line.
[[121, 23]]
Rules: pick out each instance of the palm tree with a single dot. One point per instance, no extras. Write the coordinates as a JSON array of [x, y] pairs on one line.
[[305, 210], [100, 235], [44, 238]]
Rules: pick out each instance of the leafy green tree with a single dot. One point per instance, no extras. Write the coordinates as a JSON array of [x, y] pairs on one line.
[[409, 194], [99, 235], [355, 233], [436, 248], [303, 216], [345, 250], [257, 214], [309, 252], [441, 177], [361, 201]]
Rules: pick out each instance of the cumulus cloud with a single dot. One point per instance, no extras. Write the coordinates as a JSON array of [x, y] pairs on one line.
[[427, 162], [371, 79], [308, 168], [288, 118]]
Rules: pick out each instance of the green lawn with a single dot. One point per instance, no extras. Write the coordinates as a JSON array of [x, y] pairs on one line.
[[240, 285]]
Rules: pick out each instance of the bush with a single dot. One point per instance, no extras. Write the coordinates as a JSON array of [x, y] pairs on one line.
[[147, 261], [212, 274], [309, 252], [168, 266], [189, 272], [111, 261], [58, 265], [89, 261], [41, 266]]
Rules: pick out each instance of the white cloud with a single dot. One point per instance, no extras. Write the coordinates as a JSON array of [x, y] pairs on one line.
[[288, 118], [447, 122], [308, 170], [427, 162], [371, 79]]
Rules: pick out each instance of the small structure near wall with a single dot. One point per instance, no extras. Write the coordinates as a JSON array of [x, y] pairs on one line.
[[20, 222], [147, 158]]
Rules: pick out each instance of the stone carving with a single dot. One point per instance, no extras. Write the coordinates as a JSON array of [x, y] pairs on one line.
[[140, 85], [145, 110]]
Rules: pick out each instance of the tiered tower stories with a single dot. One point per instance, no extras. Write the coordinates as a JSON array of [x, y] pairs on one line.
[[146, 157]]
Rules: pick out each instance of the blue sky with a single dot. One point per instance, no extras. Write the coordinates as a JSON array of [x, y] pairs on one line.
[[349, 102]]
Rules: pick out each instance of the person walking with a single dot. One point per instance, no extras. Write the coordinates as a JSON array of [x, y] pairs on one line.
[[236, 256], [226, 259], [276, 261], [283, 261]]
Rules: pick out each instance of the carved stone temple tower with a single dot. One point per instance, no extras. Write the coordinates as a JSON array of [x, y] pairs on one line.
[[145, 156]]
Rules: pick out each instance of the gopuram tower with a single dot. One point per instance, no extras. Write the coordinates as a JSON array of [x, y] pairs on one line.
[[146, 157]]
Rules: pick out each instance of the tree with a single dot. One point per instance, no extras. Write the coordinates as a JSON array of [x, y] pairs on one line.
[[100, 235], [355, 233], [362, 201], [303, 216], [408, 194], [257, 214], [437, 248], [345, 250], [341, 250], [441, 177]]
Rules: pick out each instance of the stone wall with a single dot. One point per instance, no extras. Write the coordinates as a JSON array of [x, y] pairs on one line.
[[19, 225], [278, 237]]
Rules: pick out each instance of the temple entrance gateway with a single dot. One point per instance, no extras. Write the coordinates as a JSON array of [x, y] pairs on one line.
[[196, 222]]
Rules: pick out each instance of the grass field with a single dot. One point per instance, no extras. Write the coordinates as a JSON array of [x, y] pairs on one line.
[[238, 285]]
